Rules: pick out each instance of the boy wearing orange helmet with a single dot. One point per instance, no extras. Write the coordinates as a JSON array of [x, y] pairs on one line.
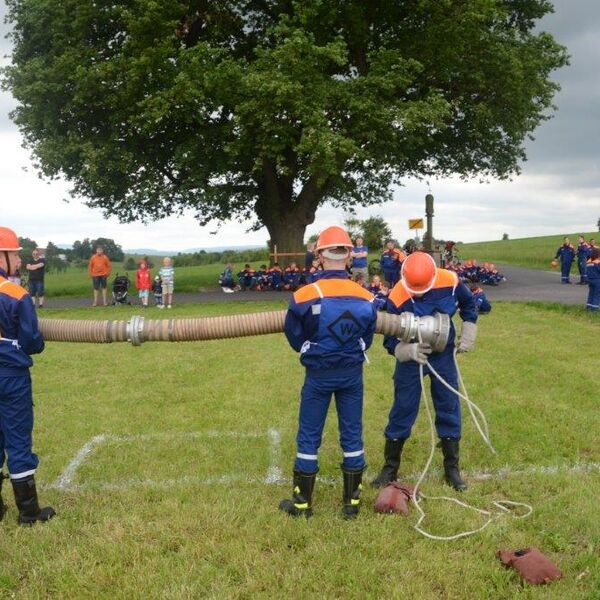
[[331, 323], [20, 339], [425, 290]]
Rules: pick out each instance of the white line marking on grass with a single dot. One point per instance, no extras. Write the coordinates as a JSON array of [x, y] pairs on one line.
[[274, 473], [65, 479]]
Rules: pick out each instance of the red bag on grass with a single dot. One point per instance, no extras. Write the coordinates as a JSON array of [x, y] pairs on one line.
[[532, 565], [393, 498]]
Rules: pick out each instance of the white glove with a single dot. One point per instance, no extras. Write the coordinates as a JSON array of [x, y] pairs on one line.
[[406, 351], [467, 337]]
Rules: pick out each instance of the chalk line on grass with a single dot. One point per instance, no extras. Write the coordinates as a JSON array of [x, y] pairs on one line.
[[64, 481], [274, 473]]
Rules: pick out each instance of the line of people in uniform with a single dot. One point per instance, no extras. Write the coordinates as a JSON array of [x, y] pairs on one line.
[[469, 270], [567, 254]]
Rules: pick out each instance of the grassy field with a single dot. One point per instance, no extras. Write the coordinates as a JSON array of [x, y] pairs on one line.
[[173, 502], [535, 252]]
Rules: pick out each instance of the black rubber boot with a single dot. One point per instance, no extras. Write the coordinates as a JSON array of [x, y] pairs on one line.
[[391, 454], [301, 503], [27, 502], [450, 449], [352, 489], [3, 507]]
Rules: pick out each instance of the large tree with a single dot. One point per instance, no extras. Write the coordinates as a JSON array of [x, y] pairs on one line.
[[261, 110]]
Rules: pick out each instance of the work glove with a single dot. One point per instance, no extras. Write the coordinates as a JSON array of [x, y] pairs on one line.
[[467, 337], [406, 351]]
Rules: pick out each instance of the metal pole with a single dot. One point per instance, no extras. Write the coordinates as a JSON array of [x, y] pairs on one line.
[[429, 213]]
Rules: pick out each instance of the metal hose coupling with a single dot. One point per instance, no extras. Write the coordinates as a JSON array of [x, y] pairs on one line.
[[432, 330]]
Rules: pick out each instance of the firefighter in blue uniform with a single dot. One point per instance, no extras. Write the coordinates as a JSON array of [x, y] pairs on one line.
[[426, 290], [566, 255], [391, 263], [593, 280], [331, 323], [482, 304], [583, 254], [20, 338]]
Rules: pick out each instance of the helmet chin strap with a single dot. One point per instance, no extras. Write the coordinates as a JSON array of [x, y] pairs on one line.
[[7, 259]]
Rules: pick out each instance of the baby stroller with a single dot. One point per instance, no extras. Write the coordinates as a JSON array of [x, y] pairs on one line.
[[120, 289]]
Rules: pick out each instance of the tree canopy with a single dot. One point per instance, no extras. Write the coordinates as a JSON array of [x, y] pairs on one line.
[[375, 231], [261, 110]]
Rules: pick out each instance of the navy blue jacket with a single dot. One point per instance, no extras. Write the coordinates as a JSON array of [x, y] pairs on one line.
[[447, 294], [18, 328], [566, 254], [331, 322], [592, 270]]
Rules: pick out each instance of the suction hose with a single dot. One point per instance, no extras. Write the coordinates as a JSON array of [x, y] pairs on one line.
[[431, 329]]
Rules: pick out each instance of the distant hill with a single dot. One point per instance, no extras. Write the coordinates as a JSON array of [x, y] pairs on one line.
[[154, 252], [534, 252]]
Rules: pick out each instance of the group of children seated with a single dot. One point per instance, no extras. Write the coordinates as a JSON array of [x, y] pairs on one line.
[[469, 270], [264, 278], [291, 278]]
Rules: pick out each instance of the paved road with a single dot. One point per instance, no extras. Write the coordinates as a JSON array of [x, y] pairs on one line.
[[521, 285]]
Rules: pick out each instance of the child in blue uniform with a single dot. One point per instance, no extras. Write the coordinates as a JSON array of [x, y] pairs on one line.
[[426, 290], [481, 302], [566, 255], [331, 323], [20, 339], [593, 279], [291, 277], [583, 255]]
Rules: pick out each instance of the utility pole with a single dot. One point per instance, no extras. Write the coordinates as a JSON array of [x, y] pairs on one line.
[[428, 238]]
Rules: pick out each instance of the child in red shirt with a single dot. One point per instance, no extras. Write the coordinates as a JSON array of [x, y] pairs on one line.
[[143, 282]]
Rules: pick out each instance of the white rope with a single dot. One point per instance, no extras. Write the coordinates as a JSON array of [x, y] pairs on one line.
[[484, 431]]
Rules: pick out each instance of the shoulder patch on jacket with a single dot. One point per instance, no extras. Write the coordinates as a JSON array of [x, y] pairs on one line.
[[445, 278], [332, 288], [399, 294], [11, 289]]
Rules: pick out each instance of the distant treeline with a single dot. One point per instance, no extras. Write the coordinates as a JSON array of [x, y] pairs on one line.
[[206, 258]]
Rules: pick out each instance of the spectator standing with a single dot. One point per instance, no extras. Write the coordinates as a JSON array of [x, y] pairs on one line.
[[143, 283], [99, 269], [37, 271], [583, 254], [391, 262], [566, 255], [360, 257], [157, 291], [167, 274], [309, 257]]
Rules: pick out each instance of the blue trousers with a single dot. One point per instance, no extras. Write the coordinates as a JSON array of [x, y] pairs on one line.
[[347, 387], [392, 276], [16, 426], [407, 395], [565, 272], [582, 271], [593, 301]]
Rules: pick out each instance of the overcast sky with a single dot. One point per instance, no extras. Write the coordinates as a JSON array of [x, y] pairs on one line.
[[559, 190]]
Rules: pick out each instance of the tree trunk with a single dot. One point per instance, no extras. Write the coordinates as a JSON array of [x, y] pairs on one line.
[[286, 214], [287, 234]]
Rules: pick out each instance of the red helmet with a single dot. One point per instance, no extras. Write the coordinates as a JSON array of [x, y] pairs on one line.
[[418, 273], [333, 237], [9, 240]]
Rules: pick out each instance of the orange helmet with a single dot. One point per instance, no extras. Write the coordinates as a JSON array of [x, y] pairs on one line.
[[334, 237], [418, 272], [8, 240]]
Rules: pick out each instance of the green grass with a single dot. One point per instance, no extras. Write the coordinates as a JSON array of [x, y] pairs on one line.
[[535, 252], [180, 538], [76, 282]]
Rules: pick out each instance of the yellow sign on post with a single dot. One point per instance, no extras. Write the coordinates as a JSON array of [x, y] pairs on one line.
[[415, 223]]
